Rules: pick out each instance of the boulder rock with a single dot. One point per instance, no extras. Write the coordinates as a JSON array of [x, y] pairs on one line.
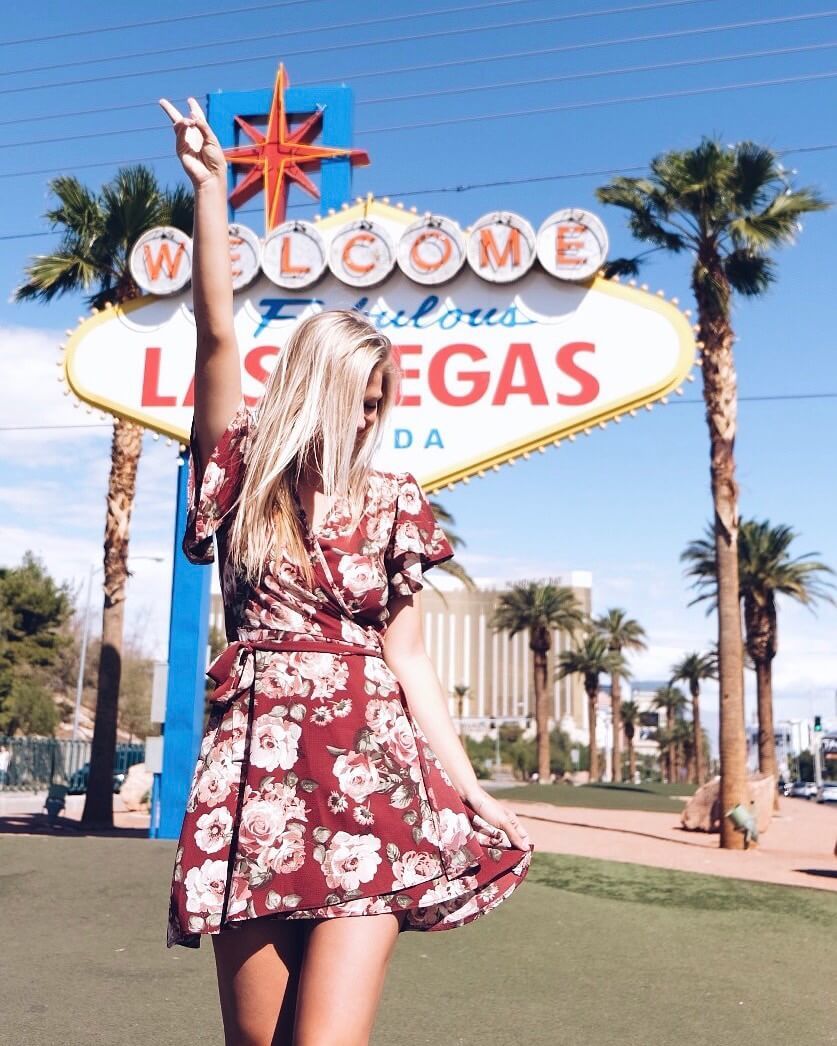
[[136, 787], [703, 811]]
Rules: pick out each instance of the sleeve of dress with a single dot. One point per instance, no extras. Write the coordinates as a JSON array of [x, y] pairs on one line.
[[417, 541], [219, 484]]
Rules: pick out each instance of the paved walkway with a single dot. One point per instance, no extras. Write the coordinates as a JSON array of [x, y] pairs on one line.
[[797, 849], [23, 813]]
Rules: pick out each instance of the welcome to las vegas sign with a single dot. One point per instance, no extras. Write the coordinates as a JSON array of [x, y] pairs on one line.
[[507, 338]]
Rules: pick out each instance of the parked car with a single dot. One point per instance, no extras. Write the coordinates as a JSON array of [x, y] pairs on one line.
[[77, 783], [827, 792], [803, 790]]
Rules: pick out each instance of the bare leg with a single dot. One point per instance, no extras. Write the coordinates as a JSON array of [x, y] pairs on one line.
[[258, 965], [342, 979]]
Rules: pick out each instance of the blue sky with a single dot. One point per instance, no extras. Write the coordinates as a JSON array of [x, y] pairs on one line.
[[621, 503]]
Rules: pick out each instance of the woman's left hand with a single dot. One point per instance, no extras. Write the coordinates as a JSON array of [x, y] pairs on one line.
[[498, 815]]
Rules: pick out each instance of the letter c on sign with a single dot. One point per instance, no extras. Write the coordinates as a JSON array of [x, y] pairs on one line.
[[348, 246]]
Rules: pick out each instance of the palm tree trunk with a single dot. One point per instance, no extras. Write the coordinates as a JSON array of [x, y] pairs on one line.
[[542, 714], [698, 734], [631, 759], [594, 751], [125, 454], [767, 736], [719, 390], [616, 700]]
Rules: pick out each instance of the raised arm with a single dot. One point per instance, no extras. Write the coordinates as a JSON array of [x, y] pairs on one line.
[[217, 361]]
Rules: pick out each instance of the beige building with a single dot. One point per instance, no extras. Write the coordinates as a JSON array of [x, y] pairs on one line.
[[496, 668]]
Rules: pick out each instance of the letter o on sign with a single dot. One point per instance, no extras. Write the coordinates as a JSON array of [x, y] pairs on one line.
[[501, 247], [572, 244], [293, 255], [362, 254], [431, 250], [161, 260]]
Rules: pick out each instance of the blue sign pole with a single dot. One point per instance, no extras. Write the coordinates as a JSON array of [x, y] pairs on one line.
[[190, 593]]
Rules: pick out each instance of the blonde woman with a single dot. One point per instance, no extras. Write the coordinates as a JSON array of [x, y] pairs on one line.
[[332, 804]]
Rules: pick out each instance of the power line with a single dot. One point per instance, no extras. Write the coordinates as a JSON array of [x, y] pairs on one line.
[[154, 21], [469, 187], [482, 117], [779, 397], [424, 67], [323, 49], [503, 84], [334, 26]]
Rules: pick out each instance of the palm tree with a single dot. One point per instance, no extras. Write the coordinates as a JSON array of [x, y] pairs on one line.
[[591, 659], [765, 571], [98, 232], [540, 608], [728, 208], [461, 692], [452, 567], [621, 633], [692, 670], [685, 744], [672, 701], [629, 713], [665, 743]]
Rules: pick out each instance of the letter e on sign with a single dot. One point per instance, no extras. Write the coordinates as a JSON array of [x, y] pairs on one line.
[[362, 254], [501, 247], [161, 260], [431, 250], [245, 255], [294, 255], [572, 244]]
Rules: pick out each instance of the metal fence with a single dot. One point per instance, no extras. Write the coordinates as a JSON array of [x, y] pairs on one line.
[[33, 763]]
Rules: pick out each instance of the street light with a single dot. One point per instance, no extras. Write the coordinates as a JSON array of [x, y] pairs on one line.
[[84, 636]]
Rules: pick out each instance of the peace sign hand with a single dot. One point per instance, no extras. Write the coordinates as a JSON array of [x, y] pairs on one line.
[[199, 150]]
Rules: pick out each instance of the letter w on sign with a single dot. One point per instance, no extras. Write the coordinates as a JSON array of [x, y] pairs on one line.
[[163, 259]]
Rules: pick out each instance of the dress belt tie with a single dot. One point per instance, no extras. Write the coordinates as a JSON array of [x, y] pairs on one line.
[[227, 670]]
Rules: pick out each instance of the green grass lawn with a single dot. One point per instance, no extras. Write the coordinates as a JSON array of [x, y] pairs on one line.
[[586, 953], [655, 797]]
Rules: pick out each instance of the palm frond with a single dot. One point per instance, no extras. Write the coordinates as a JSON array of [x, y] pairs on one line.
[[749, 273], [50, 275]]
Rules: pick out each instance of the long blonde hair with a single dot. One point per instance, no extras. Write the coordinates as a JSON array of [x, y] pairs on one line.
[[309, 414]]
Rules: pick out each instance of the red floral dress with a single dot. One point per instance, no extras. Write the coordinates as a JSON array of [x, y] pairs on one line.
[[316, 794]]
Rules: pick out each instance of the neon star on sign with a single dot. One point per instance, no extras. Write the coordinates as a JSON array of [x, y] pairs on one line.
[[279, 156]]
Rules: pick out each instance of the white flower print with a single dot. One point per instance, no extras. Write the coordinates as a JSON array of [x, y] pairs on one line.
[[455, 829], [359, 573], [321, 715], [262, 823], [363, 815], [325, 672], [402, 742], [205, 887], [381, 716], [288, 855], [351, 860], [275, 743], [239, 895], [342, 707], [357, 774], [337, 803], [414, 867], [381, 677], [214, 830], [216, 782]]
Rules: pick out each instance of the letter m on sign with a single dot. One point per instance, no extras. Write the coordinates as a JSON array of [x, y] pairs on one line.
[[490, 253], [158, 257]]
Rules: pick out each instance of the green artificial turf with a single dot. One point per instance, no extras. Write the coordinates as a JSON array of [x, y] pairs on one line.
[[586, 953], [655, 797]]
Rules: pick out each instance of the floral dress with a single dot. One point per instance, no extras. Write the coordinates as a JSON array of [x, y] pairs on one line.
[[316, 794]]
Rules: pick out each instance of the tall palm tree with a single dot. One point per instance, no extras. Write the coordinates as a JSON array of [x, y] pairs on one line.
[[728, 208], [621, 633], [98, 232], [540, 608], [672, 701], [592, 658], [765, 571], [629, 713], [665, 745], [692, 670]]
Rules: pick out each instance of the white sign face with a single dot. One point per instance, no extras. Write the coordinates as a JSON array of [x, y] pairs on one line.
[[501, 247], [161, 261], [572, 244], [245, 255], [432, 250], [294, 255], [362, 254]]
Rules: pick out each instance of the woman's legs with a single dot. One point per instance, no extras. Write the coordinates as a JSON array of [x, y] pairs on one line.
[[258, 964], [342, 979]]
